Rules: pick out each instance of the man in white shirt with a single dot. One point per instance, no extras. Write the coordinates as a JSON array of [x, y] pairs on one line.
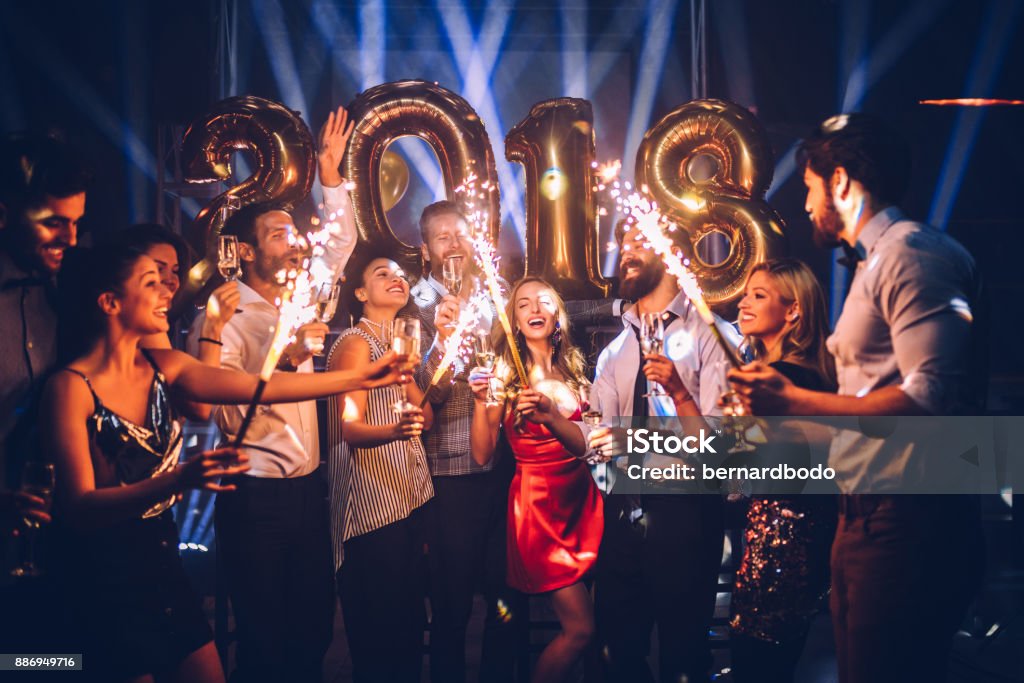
[[661, 552], [273, 531]]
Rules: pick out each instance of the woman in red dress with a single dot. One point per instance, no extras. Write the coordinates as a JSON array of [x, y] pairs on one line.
[[555, 512]]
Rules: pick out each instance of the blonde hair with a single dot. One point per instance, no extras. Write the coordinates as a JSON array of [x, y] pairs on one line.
[[804, 342], [567, 357]]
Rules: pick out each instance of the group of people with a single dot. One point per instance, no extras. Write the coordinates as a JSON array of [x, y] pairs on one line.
[[487, 481]]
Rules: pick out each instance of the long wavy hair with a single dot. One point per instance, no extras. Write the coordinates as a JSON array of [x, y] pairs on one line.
[[567, 357], [804, 343]]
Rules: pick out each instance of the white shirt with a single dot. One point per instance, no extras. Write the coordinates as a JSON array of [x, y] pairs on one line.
[[283, 439]]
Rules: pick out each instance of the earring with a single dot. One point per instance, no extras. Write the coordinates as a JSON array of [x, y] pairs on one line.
[[556, 338]]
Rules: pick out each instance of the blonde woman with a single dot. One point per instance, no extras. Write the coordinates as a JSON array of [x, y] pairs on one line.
[[783, 576], [555, 512]]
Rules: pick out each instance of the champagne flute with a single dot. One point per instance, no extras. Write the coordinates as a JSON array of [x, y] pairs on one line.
[[451, 272], [326, 306], [228, 263], [590, 415], [485, 360], [37, 479], [652, 339], [736, 417], [405, 341]]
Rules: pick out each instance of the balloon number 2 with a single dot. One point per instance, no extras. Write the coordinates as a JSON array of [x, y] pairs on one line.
[[707, 164], [282, 150]]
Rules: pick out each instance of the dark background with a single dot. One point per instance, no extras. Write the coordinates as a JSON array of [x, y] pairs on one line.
[[109, 73]]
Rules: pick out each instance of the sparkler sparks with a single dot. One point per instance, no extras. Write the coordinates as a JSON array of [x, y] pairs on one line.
[[642, 213], [455, 345], [486, 258]]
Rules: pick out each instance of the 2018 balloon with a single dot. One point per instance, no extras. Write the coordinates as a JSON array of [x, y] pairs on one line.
[[708, 164], [555, 143], [434, 114], [283, 157]]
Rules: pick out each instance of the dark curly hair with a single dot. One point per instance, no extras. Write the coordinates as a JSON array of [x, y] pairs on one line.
[[872, 153]]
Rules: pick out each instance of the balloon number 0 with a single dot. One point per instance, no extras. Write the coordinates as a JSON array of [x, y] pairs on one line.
[[707, 164]]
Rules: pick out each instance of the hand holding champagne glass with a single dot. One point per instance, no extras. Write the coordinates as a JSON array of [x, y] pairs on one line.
[[733, 409], [405, 341], [37, 479]]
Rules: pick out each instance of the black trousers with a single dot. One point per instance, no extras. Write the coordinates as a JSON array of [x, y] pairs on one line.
[[380, 584], [662, 569], [904, 571], [276, 549], [467, 551]]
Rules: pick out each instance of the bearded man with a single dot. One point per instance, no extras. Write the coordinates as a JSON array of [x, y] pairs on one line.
[[661, 552]]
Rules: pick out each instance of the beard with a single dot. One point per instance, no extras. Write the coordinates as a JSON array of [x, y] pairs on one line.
[[826, 229], [644, 282], [268, 267]]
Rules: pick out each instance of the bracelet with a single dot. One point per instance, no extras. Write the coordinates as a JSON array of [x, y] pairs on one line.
[[211, 341]]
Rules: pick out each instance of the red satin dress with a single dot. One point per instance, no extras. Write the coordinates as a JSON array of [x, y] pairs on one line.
[[555, 512]]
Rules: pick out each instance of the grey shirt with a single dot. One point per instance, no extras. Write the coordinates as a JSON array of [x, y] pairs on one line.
[[907, 321]]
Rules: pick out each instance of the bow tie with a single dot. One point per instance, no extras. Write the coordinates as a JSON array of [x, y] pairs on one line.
[[850, 258]]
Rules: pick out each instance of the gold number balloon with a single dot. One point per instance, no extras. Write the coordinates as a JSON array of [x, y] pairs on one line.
[[708, 164], [284, 166], [555, 143], [434, 114]]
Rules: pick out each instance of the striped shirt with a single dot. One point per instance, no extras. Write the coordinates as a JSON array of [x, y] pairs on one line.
[[371, 487]]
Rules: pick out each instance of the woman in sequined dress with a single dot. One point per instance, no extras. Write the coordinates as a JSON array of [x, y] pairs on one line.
[[783, 576], [110, 424], [555, 512]]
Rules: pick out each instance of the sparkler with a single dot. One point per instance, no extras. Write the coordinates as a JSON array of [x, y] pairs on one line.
[[296, 307], [643, 213], [453, 345], [484, 254]]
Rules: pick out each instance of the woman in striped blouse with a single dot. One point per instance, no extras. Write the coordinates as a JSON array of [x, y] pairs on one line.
[[379, 483]]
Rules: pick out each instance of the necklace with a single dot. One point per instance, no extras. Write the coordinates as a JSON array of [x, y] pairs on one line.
[[377, 329]]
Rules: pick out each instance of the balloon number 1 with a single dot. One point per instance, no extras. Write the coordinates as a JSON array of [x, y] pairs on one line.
[[555, 144]]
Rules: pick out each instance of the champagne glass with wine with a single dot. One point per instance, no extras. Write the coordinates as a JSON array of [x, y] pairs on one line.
[[228, 262], [485, 360], [451, 272], [405, 341], [590, 414], [326, 306], [736, 418], [652, 341], [37, 479]]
